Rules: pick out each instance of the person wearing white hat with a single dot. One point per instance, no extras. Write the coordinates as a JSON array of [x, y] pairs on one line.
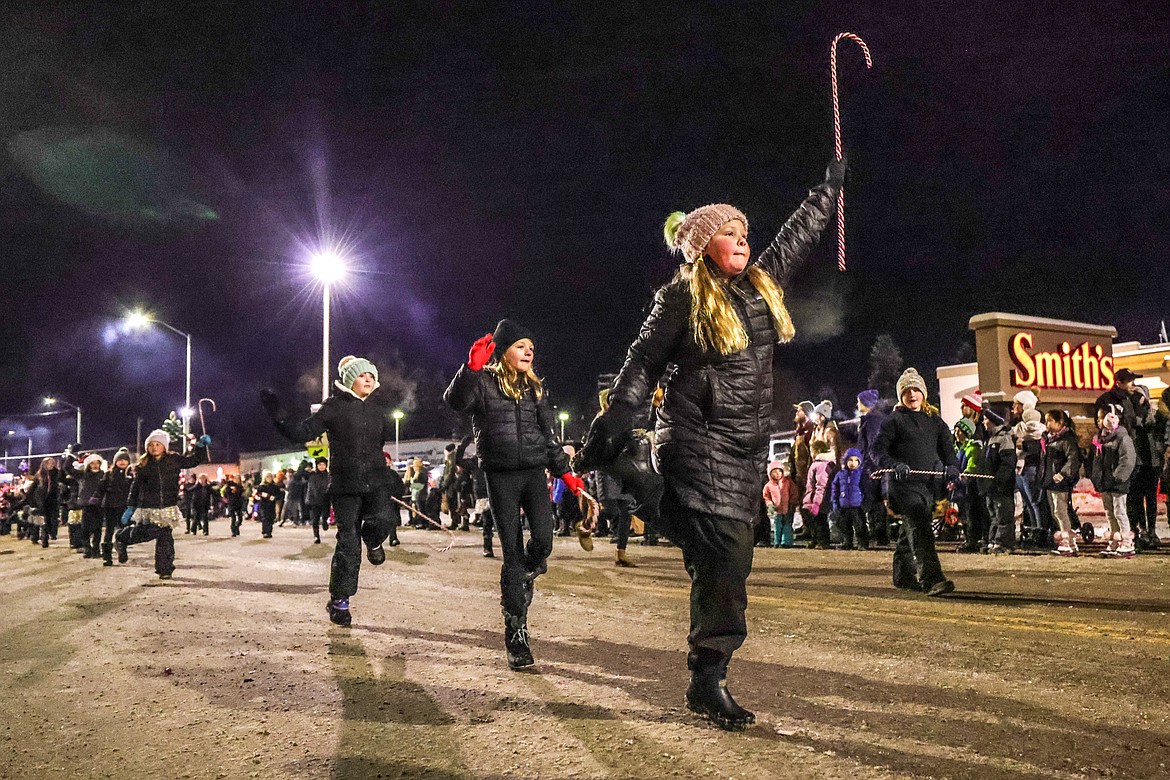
[[153, 505]]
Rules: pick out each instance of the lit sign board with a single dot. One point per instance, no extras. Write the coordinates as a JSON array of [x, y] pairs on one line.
[[1083, 367]]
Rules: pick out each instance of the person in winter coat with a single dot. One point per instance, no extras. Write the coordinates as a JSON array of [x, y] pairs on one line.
[[317, 497], [999, 462], [481, 507], [965, 492], [269, 494], [1142, 500], [115, 494], [153, 504], [915, 439], [294, 495], [717, 322], [233, 499], [1061, 468], [44, 501], [873, 411], [971, 408], [780, 501], [824, 429], [1028, 434], [513, 427], [816, 500], [87, 499], [847, 497], [1113, 464], [360, 481], [200, 492]]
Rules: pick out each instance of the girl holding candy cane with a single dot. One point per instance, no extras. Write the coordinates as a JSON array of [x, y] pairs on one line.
[[513, 427], [717, 322]]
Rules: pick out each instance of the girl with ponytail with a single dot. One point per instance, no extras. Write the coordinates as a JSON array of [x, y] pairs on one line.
[[717, 322]]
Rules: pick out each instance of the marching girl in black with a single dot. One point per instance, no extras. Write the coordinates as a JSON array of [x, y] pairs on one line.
[[717, 322], [115, 495], [513, 426], [153, 505]]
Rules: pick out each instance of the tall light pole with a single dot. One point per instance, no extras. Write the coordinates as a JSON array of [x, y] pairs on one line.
[[140, 319], [328, 266], [50, 401], [397, 415], [564, 418]]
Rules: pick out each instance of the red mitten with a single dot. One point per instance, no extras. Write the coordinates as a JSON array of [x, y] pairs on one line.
[[573, 482], [481, 350]]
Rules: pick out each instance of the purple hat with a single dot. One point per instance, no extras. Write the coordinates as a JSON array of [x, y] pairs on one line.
[[868, 398]]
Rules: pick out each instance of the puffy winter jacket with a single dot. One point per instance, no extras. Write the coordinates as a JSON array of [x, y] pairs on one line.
[[780, 495], [156, 482], [357, 430], [712, 431], [847, 492], [87, 489], [317, 488], [509, 434], [116, 487], [1062, 455], [999, 462], [1114, 460], [817, 484], [922, 441]]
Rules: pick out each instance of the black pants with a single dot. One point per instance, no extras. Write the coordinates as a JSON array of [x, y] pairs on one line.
[[112, 522], [717, 553], [164, 548], [1142, 502], [977, 518], [199, 519], [365, 517], [619, 518], [1002, 510], [873, 507], [318, 515], [508, 493], [851, 521], [267, 518], [91, 530], [915, 559], [818, 526], [236, 515]]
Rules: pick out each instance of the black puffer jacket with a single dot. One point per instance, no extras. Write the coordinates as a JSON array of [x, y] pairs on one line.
[[357, 430], [156, 482], [921, 441], [1062, 455], [316, 488], [116, 488], [509, 434], [711, 436]]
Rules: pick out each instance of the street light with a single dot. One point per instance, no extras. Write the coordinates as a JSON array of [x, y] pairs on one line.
[[50, 401], [564, 418], [397, 415], [329, 267], [138, 319]]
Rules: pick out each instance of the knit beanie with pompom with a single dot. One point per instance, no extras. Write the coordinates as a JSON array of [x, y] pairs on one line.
[[349, 368], [690, 233]]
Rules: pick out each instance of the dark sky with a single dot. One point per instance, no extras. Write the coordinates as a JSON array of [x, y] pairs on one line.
[[495, 159]]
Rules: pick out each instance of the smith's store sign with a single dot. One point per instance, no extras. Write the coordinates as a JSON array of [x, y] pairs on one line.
[[1067, 367]]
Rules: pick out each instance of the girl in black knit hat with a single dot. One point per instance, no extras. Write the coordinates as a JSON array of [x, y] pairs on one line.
[[513, 427]]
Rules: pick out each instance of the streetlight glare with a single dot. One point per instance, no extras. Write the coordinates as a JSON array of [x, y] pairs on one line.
[[137, 319], [397, 414], [49, 400], [186, 411], [328, 266], [563, 416]]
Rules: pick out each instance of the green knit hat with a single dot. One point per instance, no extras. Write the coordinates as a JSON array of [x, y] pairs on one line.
[[350, 368]]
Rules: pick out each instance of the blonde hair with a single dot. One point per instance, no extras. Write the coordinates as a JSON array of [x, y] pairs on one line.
[[513, 383], [713, 320]]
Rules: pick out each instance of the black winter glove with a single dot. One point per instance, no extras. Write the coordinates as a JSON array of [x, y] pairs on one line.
[[901, 471], [950, 473], [837, 172], [607, 436], [271, 403]]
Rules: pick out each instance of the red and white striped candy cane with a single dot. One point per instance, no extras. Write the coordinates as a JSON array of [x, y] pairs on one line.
[[837, 135]]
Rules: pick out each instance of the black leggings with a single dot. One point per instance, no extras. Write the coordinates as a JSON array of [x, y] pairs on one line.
[[318, 516], [91, 529], [508, 493]]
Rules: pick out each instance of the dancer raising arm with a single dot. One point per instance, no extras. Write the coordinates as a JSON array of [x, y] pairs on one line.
[[513, 427], [718, 322]]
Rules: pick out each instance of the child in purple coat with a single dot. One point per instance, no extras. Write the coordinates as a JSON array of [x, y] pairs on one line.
[[848, 496]]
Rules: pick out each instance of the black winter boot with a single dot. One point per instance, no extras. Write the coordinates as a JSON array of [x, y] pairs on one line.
[[392, 539], [120, 546], [707, 695], [339, 613], [107, 554], [516, 642]]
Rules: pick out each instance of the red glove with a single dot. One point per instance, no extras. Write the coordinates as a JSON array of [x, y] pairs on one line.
[[481, 350], [573, 482]]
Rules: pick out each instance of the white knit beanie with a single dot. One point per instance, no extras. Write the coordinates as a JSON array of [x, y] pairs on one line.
[[161, 436], [690, 233], [1026, 399]]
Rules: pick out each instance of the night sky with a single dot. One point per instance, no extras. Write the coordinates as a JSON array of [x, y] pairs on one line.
[[498, 159]]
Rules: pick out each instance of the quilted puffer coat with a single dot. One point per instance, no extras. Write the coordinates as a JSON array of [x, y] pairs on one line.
[[509, 434], [712, 430]]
